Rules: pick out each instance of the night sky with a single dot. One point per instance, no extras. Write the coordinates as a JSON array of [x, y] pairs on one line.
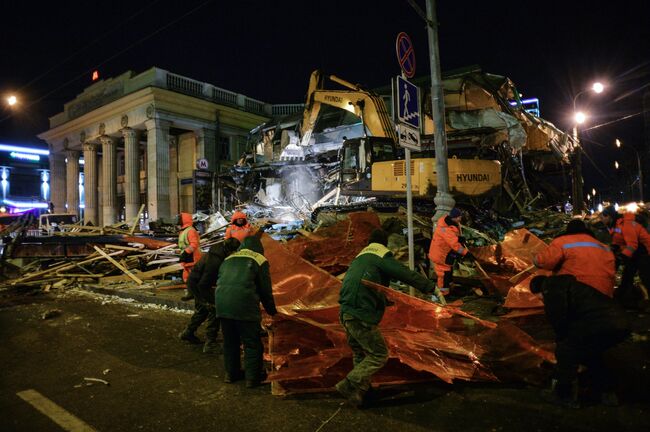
[[267, 49]]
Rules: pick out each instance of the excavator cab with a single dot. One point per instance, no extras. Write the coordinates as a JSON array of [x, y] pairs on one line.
[[358, 155]]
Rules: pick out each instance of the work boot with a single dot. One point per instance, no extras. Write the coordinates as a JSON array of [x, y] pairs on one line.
[[229, 379], [562, 394], [256, 382], [350, 392], [190, 337], [212, 347], [188, 296]]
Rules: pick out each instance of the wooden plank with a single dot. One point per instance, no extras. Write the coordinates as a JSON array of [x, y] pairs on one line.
[[119, 247], [79, 275], [118, 265], [145, 275], [136, 219], [163, 261], [516, 278]]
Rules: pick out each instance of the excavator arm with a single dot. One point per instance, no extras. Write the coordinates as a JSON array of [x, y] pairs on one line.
[[369, 107]]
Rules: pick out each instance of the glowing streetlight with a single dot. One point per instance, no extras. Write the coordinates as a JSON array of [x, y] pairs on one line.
[[618, 143], [593, 191], [576, 166], [588, 197], [616, 164], [12, 100]]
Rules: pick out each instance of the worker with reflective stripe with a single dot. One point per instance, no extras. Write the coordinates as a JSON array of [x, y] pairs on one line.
[[578, 253], [239, 227], [362, 308], [446, 247], [188, 243], [630, 243], [586, 323], [244, 281]]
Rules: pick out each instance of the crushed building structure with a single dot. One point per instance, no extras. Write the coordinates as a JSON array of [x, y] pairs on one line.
[[304, 161]]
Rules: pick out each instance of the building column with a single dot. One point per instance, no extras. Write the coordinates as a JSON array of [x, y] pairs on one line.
[[206, 146], [109, 174], [90, 184], [100, 194], [131, 173], [57, 180], [72, 181], [158, 169]]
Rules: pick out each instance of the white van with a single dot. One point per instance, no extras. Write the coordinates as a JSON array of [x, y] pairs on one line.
[[51, 222]]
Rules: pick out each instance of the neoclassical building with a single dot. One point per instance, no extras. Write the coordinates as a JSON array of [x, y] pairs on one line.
[[146, 139]]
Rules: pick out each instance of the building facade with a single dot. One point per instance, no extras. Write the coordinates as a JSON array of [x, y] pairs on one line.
[[24, 178], [149, 139]]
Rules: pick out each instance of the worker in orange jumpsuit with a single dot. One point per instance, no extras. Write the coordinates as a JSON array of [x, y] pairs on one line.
[[446, 247], [578, 301], [578, 253], [239, 227], [188, 243], [630, 243]]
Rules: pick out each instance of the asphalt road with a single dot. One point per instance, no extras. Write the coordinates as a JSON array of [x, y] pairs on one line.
[[157, 383]]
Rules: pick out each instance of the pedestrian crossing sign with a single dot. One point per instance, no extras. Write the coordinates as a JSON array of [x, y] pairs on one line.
[[407, 103]]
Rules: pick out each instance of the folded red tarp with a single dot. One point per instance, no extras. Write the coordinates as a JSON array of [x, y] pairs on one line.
[[426, 341]]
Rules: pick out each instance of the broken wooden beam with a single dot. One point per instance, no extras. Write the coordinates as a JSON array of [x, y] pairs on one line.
[[118, 265]]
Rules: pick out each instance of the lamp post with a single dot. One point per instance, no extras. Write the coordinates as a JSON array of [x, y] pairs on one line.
[[638, 165], [578, 182], [443, 200]]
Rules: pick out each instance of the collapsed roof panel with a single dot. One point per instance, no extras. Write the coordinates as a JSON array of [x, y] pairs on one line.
[[426, 341]]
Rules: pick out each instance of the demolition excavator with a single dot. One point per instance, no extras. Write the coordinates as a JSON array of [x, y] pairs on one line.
[[343, 149], [372, 165]]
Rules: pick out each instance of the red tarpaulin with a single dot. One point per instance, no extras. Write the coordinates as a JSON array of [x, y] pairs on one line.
[[426, 341]]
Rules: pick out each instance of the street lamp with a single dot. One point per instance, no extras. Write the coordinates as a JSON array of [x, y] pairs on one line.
[[12, 100], [619, 144], [580, 118]]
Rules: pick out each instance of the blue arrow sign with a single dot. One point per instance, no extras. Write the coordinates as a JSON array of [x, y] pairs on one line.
[[407, 102]]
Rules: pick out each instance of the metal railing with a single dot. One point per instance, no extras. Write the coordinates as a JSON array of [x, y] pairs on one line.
[[184, 85], [224, 96], [177, 83], [286, 109]]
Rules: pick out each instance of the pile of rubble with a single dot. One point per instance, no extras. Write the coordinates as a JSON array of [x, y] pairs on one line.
[[308, 261]]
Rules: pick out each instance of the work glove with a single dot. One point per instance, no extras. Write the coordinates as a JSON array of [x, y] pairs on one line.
[[622, 260], [185, 257], [438, 297], [462, 240], [469, 256], [451, 258]]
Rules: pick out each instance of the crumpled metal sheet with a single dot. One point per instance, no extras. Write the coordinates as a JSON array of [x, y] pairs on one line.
[[513, 255], [333, 248], [426, 341]]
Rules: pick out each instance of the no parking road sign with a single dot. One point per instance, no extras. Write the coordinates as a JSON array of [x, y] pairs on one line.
[[405, 54]]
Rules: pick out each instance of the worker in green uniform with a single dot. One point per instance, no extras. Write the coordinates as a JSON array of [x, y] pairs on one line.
[[362, 308], [244, 281]]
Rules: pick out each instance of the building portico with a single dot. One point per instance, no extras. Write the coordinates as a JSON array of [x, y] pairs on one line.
[[141, 137]]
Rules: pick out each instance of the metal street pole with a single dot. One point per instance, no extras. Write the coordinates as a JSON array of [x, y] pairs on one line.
[[443, 200], [409, 213], [638, 163], [578, 181]]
